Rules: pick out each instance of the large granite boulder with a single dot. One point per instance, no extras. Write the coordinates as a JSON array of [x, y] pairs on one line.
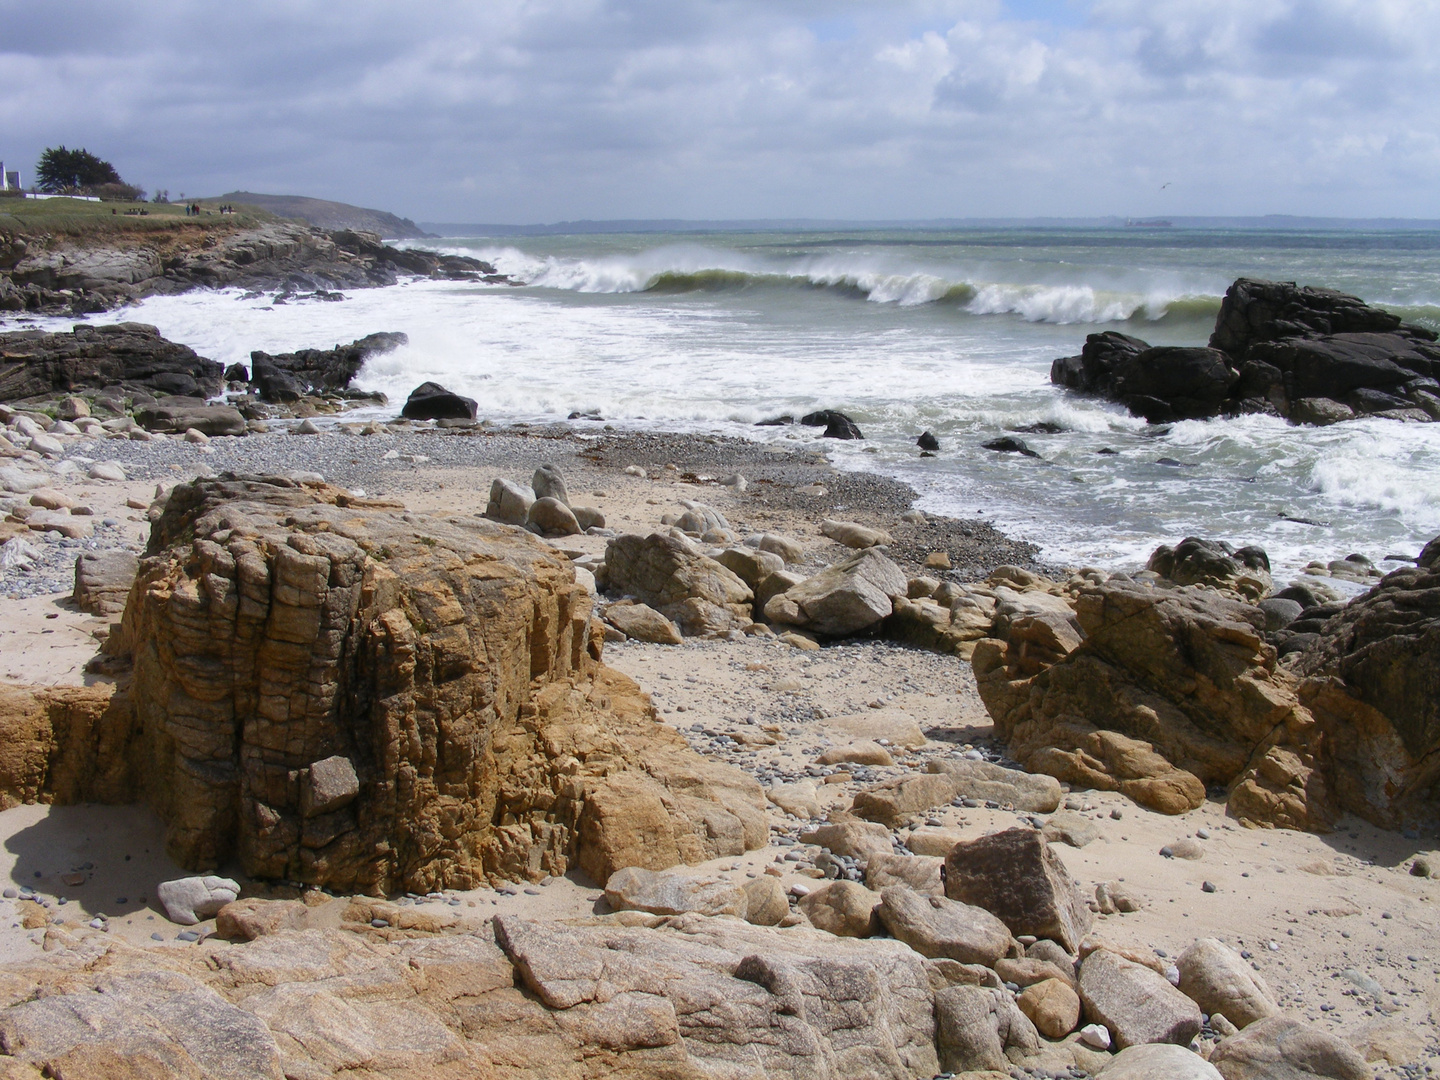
[[66, 745], [844, 598], [177, 415], [103, 580], [1017, 878], [1174, 690], [1136, 1004], [451, 663], [1171, 690], [627, 995], [1219, 980], [290, 376], [935, 926], [672, 576], [1286, 1048], [132, 356]]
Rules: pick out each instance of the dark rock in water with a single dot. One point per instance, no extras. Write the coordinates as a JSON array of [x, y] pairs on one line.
[[1169, 383], [431, 401], [290, 376], [1009, 445], [1093, 370], [1171, 462], [836, 424], [1256, 311], [926, 441], [1315, 356], [778, 421], [1304, 521], [130, 356], [1108, 451], [237, 373], [1040, 427]]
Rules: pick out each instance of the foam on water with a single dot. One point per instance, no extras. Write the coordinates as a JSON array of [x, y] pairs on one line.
[[682, 268], [700, 337]]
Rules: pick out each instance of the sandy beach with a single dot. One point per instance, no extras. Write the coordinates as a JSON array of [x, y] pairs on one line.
[[1337, 924]]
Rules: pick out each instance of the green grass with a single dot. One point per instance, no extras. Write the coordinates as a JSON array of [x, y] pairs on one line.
[[74, 217]]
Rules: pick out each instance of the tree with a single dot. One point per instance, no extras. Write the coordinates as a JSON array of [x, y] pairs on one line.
[[60, 170]]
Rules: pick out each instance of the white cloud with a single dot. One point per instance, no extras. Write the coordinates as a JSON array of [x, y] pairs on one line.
[[525, 110]]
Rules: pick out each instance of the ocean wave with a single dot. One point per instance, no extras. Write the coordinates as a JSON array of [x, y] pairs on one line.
[[676, 273], [1426, 315]]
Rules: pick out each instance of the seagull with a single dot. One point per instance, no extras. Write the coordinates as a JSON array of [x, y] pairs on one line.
[[1166, 184]]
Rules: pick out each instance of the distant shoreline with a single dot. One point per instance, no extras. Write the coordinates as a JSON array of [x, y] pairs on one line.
[[1269, 222]]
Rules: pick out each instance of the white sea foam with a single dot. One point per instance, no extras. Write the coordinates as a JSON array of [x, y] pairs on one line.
[[695, 337]]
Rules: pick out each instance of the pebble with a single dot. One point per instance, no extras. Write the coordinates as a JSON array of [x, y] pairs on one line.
[[1207, 886], [1096, 1035]]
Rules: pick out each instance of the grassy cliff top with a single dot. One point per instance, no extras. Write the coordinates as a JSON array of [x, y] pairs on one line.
[[78, 219]]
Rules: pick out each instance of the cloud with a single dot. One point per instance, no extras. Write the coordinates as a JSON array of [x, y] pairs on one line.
[[524, 110]]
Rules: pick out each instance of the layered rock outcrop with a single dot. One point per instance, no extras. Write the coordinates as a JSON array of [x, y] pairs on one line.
[[1312, 355], [1166, 692], [1372, 681], [129, 356], [341, 693]]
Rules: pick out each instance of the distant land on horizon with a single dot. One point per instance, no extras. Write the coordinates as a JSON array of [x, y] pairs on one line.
[[327, 215], [1275, 222]]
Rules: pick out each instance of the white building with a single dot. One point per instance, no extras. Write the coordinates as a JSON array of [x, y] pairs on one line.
[[9, 180]]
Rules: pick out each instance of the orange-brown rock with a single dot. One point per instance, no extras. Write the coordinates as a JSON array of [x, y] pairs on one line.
[[66, 744], [1171, 690], [443, 671]]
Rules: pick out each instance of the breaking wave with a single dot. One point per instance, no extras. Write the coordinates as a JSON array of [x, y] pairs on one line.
[[675, 271]]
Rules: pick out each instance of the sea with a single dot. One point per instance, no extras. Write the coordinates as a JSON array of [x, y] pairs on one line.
[[908, 331]]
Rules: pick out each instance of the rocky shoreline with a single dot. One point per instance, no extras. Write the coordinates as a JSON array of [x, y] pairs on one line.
[[1313, 356], [341, 745], [815, 779], [49, 274]]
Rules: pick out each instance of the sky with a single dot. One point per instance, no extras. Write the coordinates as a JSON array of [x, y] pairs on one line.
[[521, 111]]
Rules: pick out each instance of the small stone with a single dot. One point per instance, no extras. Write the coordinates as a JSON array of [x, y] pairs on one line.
[[1207, 886], [1096, 1035]]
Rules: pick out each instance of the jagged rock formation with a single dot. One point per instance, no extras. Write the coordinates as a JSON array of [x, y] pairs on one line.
[[1372, 680], [291, 376], [1173, 690], [54, 275], [129, 356], [341, 693], [1313, 355]]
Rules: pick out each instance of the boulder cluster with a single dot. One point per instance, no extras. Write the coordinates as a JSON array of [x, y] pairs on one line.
[[1165, 691], [1313, 356]]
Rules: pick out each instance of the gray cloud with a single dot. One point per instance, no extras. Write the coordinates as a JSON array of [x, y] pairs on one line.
[[524, 111]]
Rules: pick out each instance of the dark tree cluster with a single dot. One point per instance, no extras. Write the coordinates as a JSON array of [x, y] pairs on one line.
[[61, 172]]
